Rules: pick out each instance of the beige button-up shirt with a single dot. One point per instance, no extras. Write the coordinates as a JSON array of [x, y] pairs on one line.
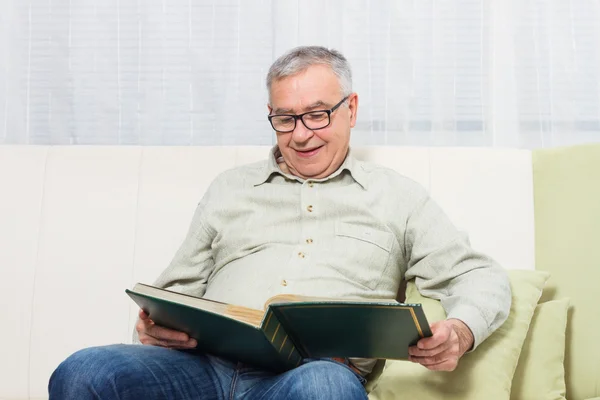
[[259, 232]]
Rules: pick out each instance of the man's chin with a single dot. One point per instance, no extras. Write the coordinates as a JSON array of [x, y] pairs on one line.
[[311, 173]]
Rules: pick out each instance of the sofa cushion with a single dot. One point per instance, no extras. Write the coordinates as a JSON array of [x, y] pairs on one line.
[[540, 372], [567, 229], [485, 373]]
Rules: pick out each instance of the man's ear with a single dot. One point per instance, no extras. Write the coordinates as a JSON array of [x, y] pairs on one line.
[[269, 108], [353, 107]]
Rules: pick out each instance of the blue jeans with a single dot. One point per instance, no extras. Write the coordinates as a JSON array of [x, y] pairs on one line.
[[149, 372]]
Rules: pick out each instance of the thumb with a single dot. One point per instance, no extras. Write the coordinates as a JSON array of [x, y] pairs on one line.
[[441, 332], [143, 316]]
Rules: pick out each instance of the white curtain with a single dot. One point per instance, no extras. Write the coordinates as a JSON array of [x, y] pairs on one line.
[[504, 73]]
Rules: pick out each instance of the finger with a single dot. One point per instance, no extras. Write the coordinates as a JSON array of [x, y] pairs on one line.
[[440, 358], [142, 325], [143, 316], [450, 349], [434, 360], [162, 333], [190, 344], [417, 352], [448, 365], [441, 333], [152, 341]]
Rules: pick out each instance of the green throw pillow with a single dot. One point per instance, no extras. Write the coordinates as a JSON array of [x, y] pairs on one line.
[[540, 373], [486, 372]]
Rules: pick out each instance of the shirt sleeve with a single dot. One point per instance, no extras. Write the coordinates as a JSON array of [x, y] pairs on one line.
[[192, 264], [470, 285]]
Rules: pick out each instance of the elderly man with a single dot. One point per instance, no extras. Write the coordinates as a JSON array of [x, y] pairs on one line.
[[309, 220]]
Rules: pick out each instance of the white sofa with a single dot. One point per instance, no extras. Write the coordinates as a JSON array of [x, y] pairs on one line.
[[78, 225]]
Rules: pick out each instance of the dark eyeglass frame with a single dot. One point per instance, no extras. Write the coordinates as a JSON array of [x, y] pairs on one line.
[[301, 117]]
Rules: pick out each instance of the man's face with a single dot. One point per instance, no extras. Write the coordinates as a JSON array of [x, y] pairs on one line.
[[313, 153]]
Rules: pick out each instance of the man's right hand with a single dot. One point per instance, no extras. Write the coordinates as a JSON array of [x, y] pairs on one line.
[[155, 335]]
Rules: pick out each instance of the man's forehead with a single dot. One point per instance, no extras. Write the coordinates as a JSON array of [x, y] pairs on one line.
[[300, 105]]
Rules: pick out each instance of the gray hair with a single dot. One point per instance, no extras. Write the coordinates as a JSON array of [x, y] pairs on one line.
[[300, 58]]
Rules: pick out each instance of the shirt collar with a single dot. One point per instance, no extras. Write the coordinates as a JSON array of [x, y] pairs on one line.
[[350, 164]]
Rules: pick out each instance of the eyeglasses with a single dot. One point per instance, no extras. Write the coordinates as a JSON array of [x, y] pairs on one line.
[[312, 120]]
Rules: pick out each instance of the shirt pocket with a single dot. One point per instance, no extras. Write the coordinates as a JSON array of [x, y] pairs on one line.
[[365, 252]]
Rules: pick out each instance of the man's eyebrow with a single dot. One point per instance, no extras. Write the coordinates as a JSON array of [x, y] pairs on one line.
[[316, 104]]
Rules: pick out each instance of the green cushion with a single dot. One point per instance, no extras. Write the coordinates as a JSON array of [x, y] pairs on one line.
[[485, 373], [567, 240], [540, 373]]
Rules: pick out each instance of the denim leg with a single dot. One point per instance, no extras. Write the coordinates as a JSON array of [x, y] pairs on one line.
[[138, 372], [315, 380]]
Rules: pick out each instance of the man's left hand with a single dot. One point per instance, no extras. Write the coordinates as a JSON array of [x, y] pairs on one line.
[[451, 339]]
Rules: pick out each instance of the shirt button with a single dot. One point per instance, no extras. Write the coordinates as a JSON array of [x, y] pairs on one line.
[[309, 208], [284, 283], [310, 184], [309, 241], [301, 255]]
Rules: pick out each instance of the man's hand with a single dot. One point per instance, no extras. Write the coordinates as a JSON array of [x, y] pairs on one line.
[[155, 335], [451, 339]]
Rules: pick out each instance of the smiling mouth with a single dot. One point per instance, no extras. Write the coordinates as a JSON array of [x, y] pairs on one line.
[[308, 153]]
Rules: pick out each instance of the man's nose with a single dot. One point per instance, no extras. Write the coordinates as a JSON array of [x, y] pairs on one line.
[[301, 133]]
